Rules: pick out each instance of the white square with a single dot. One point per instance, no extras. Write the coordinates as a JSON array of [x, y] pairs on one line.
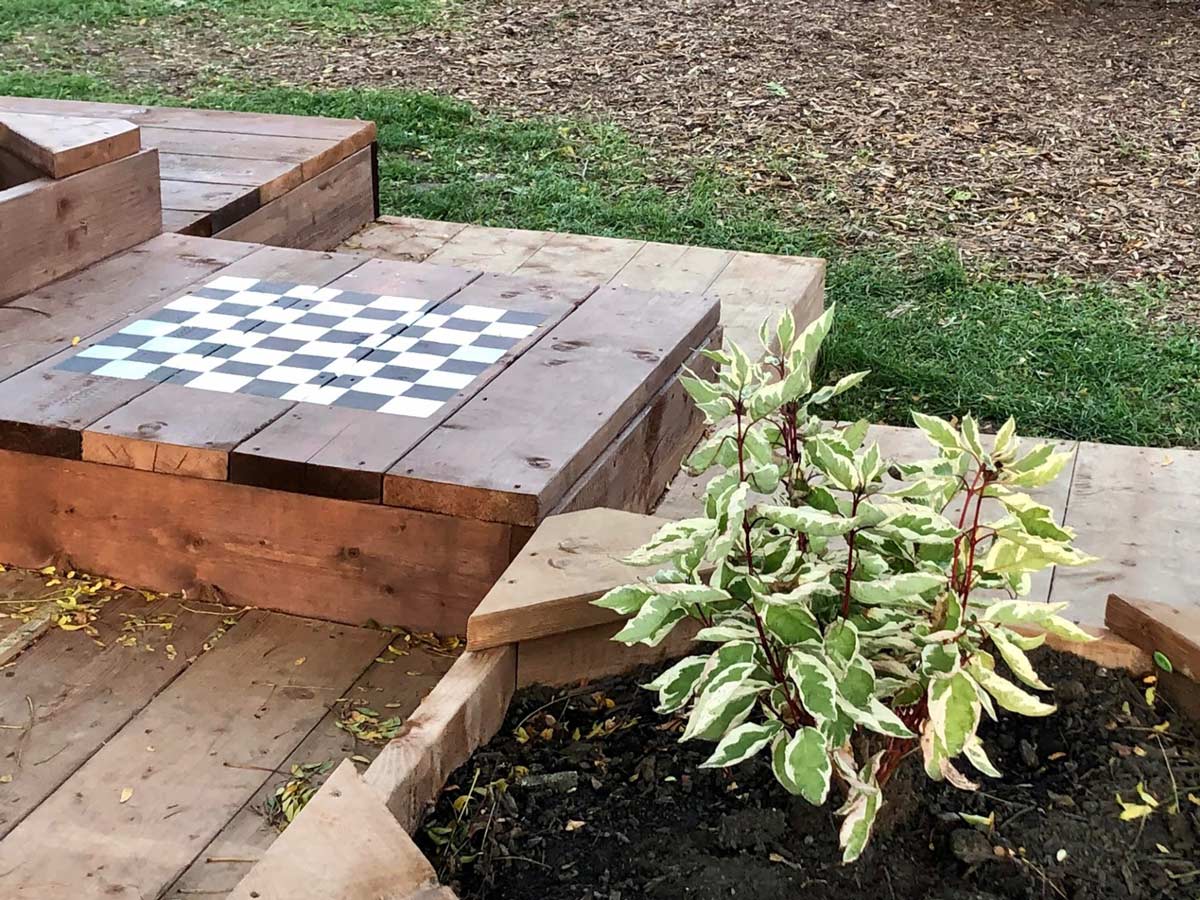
[[478, 354], [288, 374], [294, 332], [277, 314], [510, 330], [230, 283], [234, 338], [169, 344], [450, 336], [106, 351], [327, 348], [149, 327], [312, 292], [220, 381], [398, 344], [124, 368], [365, 326], [439, 378], [411, 406], [418, 360], [314, 393], [253, 298], [348, 366], [479, 313], [400, 304], [388, 387], [188, 303], [433, 320], [377, 340], [333, 308], [194, 362], [260, 356], [210, 320]]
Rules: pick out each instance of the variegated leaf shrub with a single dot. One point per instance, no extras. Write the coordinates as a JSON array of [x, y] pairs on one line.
[[855, 606]]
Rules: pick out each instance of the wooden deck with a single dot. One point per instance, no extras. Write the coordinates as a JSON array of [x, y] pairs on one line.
[[150, 746], [290, 181]]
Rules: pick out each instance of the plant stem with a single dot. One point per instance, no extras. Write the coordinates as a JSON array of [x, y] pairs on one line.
[[850, 536]]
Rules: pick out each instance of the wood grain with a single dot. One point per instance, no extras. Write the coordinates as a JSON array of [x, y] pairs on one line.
[[49, 229], [60, 146], [310, 556], [82, 694], [1159, 627], [317, 215], [491, 249], [461, 714], [570, 560], [272, 178], [603, 363], [673, 267], [585, 654], [411, 240], [755, 286], [241, 707]]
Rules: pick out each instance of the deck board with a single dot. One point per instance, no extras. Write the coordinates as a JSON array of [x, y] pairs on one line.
[[243, 706]]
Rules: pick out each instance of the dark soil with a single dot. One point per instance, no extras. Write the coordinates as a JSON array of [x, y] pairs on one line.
[[611, 807]]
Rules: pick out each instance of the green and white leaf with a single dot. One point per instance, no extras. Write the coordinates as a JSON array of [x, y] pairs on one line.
[[801, 764], [741, 743]]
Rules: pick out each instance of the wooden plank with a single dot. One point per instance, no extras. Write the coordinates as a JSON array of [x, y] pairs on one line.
[[43, 322], [272, 178], [393, 689], [319, 214], [326, 558], [585, 654], [241, 707], [570, 559], [45, 410], [493, 249], [65, 145], [602, 364], [635, 469], [357, 132], [340, 452], [49, 229], [755, 286], [344, 844], [81, 694], [186, 431], [673, 267], [222, 204], [186, 221], [461, 714], [234, 145], [1159, 627], [1134, 507], [595, 259], [394, 237]]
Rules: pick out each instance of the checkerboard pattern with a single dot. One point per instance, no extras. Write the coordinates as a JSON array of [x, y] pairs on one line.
[[312, 344]]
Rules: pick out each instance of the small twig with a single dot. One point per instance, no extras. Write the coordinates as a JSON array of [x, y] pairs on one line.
[[229, 859], [52, 755], [522, 859], [230, 765]]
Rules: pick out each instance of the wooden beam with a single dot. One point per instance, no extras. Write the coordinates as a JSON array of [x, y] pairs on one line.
[[344, 844], [59, 146], [1159, 627], [461, 714], [49, 228]]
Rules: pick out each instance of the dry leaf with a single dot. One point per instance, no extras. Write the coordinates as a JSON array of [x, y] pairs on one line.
[[5, 779], [574, 824], [126, 793], [301, 660]]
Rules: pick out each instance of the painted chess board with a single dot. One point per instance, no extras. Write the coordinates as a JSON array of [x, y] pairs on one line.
[[389, 354]]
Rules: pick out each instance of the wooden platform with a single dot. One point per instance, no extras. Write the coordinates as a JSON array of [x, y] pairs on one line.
[[151, 757], [138, 425], [292, 181]]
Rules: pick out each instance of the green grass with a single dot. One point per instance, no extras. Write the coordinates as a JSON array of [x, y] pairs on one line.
[[1067, 359], [337, 16]]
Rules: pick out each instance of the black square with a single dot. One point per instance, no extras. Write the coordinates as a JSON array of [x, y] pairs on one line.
[[266, 388], [400, 373], [163, 373], [361, 400], [250, 325], [345, 381], [275, 343], [207, 348], [308, 361], [241, 368], [212, 293], [516, 317], [180, 377], [321, 378], [171, 315], [124, 340], [365, 352], [429, 392], [494, 342], [272, 287], [463, 366], [356, 297], [433, 348], [224, 350], [234, 309], [387, 315], [466, 325], [150, 356], [320, 320], [192, 333], [85, 364]]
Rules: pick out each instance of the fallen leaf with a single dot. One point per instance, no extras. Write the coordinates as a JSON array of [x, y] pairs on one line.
[[1060, 855], [5, 779], [574, 824], [300, 660], [126, 793]]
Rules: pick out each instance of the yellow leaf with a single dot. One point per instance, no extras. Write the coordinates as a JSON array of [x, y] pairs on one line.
[[1162, 849], [47, 570], [1146, 796], [1139, 751], [1150, 694], [1193, 799], [300, 660], [5, 779], [126, 793], [574, 824], [1161, 727]]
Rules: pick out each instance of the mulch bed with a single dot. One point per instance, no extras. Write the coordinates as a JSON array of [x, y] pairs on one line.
[[1061, 135], [612, 807]]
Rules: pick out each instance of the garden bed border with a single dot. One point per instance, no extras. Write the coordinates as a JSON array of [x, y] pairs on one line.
[[536, 625]]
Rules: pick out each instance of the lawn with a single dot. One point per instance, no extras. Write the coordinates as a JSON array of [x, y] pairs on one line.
[[1067, 358]]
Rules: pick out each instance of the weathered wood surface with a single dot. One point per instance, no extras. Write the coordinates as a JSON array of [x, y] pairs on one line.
[[184, 431], [331, 559], [419, 238], [571, 559], [329, 206], [207, 155], [59, 146], [603, 364], [240, 708], [462, 713], [66, 696], [344, 844], [392, 687], [51, 228], [1159, 627]]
